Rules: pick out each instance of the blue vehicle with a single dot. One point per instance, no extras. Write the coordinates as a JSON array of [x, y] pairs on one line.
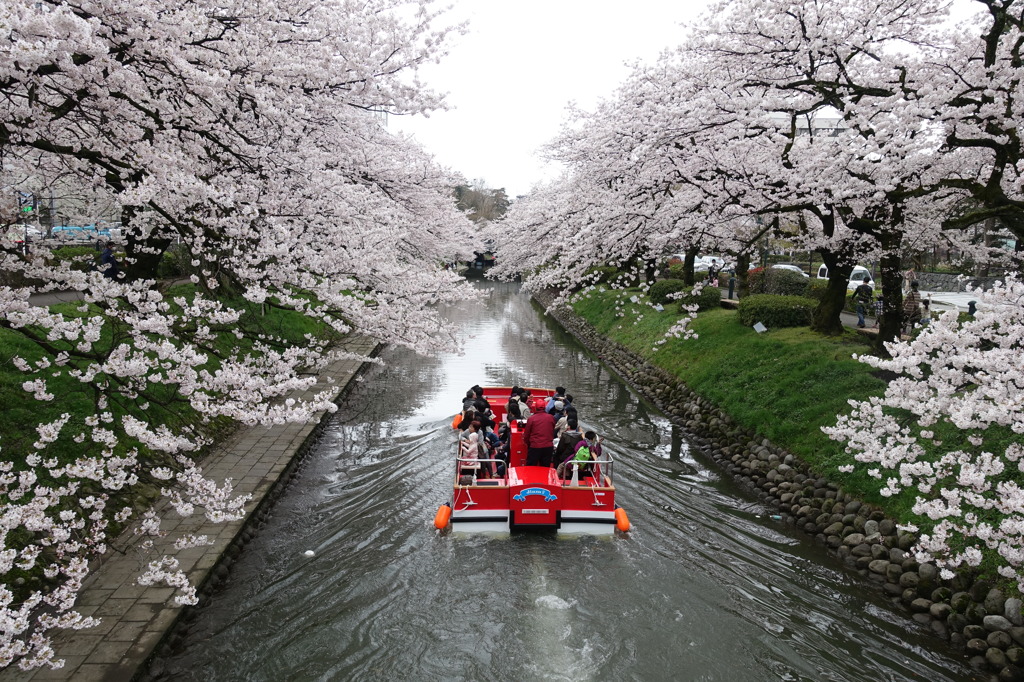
[[81, 233]]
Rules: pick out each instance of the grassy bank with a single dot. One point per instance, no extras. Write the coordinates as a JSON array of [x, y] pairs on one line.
[[160, 406], [785, 383], [78, 399]]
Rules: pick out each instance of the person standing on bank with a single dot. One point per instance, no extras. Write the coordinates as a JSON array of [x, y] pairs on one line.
[[108, 263], [912, 308], [539, 436], [862, 296]]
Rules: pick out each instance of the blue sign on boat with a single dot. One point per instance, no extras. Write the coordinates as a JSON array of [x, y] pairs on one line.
[[526, 492]]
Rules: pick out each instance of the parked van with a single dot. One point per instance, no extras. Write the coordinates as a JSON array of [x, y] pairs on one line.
[[856, 277], [700, 263]]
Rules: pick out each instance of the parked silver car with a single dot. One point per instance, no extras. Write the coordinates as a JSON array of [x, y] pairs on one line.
[[793, 268]]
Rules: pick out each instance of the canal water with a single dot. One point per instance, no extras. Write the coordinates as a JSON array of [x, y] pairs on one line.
[[706, 587]]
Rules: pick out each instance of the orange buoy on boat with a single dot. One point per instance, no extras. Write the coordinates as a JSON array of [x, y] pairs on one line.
[[621, 520], [444, 513]]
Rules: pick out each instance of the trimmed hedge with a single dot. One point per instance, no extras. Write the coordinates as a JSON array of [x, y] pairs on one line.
[[663, 288], [82, 258], [708, 299], [776, 311]]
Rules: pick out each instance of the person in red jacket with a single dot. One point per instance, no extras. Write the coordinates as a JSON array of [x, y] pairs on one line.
[[539, 436]]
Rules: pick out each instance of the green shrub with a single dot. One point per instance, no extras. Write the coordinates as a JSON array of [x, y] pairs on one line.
[[816, 289], [660, 290], [775, 311], [674, 271], [708, 299], [83, 258], [171, 265], [778, 282]]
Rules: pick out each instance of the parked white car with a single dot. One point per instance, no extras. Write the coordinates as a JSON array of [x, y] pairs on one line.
[[856, 277], [700, 263], [793, 268]]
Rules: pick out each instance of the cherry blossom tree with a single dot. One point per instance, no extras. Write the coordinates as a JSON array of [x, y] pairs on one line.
[[950, 427], [976, 83], [720, 142], [248, 139]]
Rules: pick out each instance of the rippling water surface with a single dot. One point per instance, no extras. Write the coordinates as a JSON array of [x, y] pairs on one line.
[[706, 586]]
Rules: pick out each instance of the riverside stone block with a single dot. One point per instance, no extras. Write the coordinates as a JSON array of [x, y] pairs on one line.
[[853, 539], [1012, 611], [996, 624]]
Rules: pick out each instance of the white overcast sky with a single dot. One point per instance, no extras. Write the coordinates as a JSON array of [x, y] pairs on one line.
[[510, 78]]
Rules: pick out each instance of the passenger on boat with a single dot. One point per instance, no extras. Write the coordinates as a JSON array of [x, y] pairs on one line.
[[559, 410], [512, 411], [467, 402], [471, 416], [539, 436], [586, 451], [494, 444], [559, 395], [502, 452], [480, 396], [472, 450], [524, 404], [567, 440], [563, 424], [483, 410]]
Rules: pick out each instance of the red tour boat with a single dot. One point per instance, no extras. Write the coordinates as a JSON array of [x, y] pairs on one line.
[[524, 497]]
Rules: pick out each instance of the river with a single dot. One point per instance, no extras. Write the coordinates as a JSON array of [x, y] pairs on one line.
[[707, 586]]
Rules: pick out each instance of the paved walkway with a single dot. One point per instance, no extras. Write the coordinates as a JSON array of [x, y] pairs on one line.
[[135, 618]]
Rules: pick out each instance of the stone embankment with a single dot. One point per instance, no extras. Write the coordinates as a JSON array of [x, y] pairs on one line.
[[936, 281], [969, 612]]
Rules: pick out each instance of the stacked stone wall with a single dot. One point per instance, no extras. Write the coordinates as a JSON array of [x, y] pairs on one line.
[[935, 281]]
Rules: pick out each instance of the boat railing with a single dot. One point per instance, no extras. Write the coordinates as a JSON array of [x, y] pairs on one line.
[[475, 464], [603, 471]]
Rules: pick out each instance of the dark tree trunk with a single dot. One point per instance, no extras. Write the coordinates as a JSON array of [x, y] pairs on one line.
[[650, 268], [742, 268], [691, 256], [826, 317], [890, 271], [982, 269], [891, 321], [142, 256]]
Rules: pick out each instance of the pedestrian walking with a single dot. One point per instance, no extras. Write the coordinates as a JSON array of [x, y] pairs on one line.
[[863, 296]]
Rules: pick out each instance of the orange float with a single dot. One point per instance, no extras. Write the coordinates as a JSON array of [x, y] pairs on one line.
[[621, 520], [444, 513]]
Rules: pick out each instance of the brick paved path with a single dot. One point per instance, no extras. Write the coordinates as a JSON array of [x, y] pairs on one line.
[[135, 618]]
